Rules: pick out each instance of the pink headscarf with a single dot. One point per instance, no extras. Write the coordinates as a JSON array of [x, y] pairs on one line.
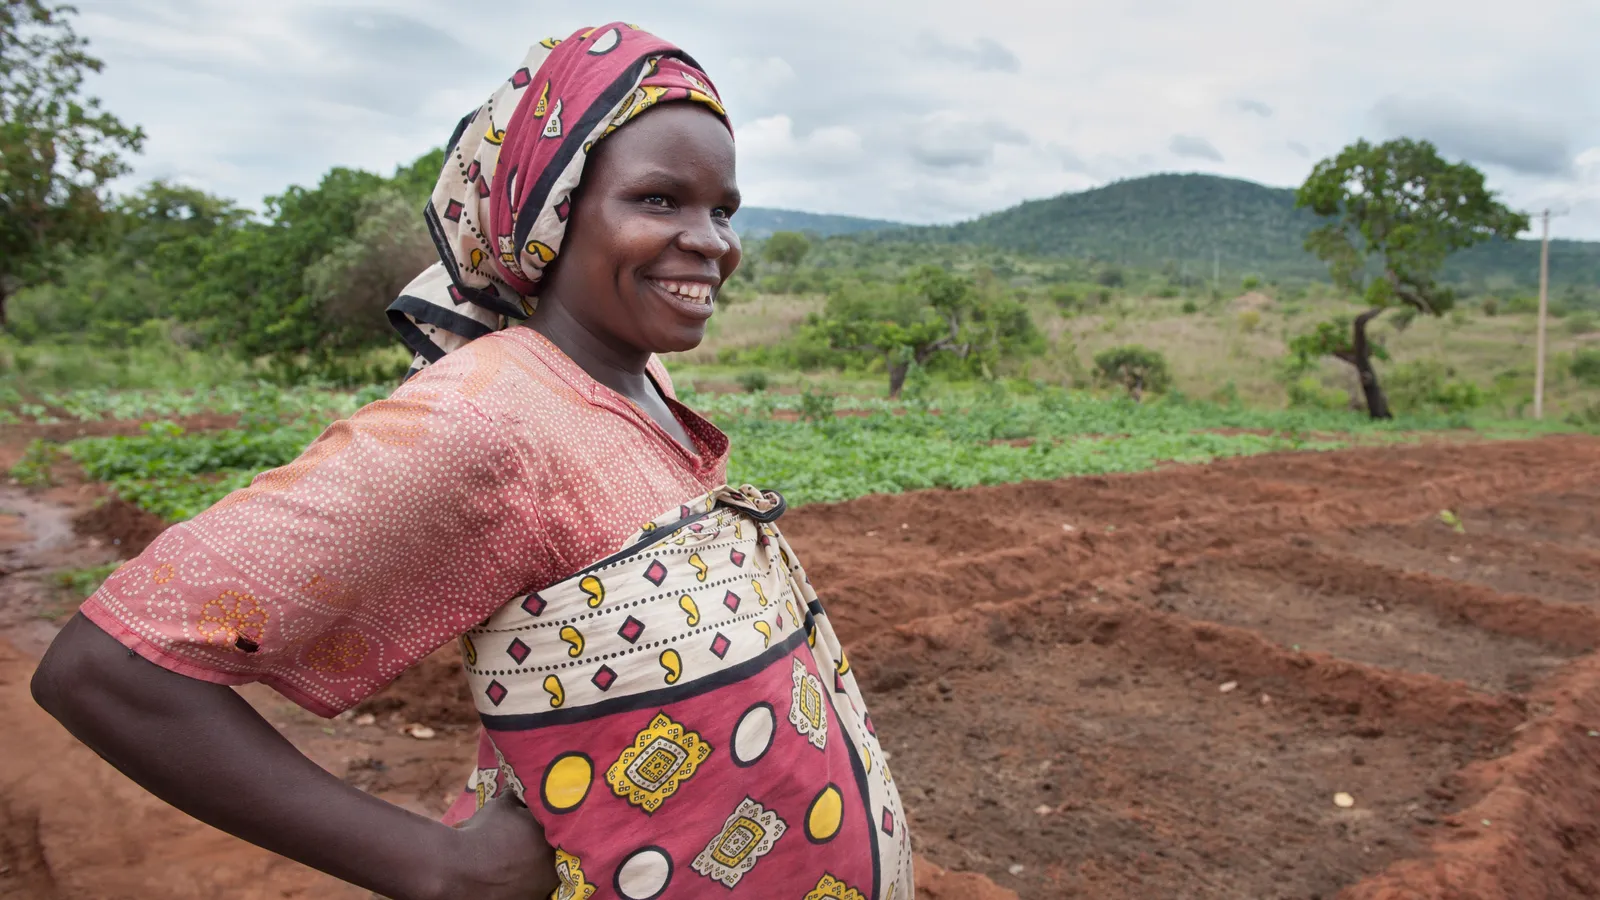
[[499, 211]]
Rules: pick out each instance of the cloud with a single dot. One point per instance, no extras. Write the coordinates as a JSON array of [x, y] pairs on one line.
[[1255, 106], [891, 116], [1479, 133], [985, 54], [1194, 148]]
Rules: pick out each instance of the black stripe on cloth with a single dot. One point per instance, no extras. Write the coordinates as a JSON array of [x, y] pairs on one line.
[[656, 698], [644, 543], [602, 108], [441, 242], [434, 314], [455, 136], [858, 768], [412, 336]]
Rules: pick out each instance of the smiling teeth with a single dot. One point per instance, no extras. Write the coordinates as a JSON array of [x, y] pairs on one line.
[[692, 291]]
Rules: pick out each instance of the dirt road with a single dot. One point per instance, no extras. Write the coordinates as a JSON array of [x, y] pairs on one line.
[[1148, 686]]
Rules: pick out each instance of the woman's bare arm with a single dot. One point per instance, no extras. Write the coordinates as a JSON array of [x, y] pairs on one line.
[[203, 749]]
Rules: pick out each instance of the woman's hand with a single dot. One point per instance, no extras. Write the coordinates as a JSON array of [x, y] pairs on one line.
[[502, 855]]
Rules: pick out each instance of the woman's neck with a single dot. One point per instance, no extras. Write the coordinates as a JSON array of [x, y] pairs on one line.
[[622, 371]]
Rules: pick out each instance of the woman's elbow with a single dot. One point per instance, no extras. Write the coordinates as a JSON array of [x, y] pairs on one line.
[[71, 661]]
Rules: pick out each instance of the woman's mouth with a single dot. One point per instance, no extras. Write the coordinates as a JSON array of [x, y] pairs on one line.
[[691, 293]]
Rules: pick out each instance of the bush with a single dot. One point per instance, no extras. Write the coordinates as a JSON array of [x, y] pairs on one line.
[[1490, 306], [1251, 282], [1110, 276], [1189, 307], [1581, 323], [1431, 385], [1306, 392], [1065, 299], [1249, 320], [754, 381], [1585, 366], [1135, 367]]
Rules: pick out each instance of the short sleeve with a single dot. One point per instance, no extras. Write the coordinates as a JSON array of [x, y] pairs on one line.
[[393, 532]]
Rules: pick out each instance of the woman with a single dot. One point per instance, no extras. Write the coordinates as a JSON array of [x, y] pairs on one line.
[[666, 711]]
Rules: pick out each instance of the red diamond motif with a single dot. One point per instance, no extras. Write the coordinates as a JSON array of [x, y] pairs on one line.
[[719, 645], [453, 211], [697, 528], [838, 683], [534, 605], [518, 650], [520, 78], [870, 730], [657, 573], [731, 601], [456, 296], [496, 692], [604, 678], [684, 512], [780, 621], [472, 172], [736, 557], [888, 823], [483, 187], [631, 629], [564, 209]]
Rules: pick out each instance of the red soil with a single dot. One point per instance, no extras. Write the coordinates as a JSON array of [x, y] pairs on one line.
[[1135, 686]]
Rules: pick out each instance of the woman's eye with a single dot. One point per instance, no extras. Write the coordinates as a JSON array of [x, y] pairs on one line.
[[722, 212], [657, 200]]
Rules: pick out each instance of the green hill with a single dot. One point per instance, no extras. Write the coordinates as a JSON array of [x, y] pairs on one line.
[[1194, 222], [759, 222]]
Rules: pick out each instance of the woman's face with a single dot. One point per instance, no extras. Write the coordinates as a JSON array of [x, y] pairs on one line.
[[650, 243]]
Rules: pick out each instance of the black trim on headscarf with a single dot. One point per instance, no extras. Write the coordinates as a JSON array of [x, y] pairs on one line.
[[487, 299], [433, 314], [412, 336]]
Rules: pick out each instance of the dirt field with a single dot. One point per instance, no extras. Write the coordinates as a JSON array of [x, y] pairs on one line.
[[1143, 686]]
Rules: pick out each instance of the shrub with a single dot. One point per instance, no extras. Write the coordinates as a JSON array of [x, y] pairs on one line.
[[1585, 366], [1190, 307], [1490, 306], [1065, 299], [1135, 367], [1251, 282], [1306, 392], [1110, 276], [1581, 323], [1430, 384], [754, 381], [1249, 319]]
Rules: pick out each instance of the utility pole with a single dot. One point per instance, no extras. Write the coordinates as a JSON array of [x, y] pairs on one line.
[[1544, 306]]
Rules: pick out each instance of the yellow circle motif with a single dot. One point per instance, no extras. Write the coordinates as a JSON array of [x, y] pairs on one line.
[[566, 782], [338, 652], [825, 815]]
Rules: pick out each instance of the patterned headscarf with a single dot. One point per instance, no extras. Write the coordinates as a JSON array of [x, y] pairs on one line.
[[499, 211]]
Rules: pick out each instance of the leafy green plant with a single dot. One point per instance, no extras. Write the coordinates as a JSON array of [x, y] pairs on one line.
[[33, 470]]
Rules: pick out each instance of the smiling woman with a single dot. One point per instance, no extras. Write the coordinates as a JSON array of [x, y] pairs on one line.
[[665, 705]]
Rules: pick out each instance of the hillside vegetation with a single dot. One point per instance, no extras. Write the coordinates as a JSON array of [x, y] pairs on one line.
[[1193, 223]]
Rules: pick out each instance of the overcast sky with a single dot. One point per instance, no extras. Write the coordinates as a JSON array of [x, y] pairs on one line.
[[928, 111]]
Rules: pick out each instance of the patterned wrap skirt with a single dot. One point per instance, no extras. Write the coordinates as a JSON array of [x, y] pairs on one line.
[[681, 719]]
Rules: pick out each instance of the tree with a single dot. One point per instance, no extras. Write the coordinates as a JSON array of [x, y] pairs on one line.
[[786, 249], [929, 312], [57, 148], [1135, 367], [1395, 212]]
